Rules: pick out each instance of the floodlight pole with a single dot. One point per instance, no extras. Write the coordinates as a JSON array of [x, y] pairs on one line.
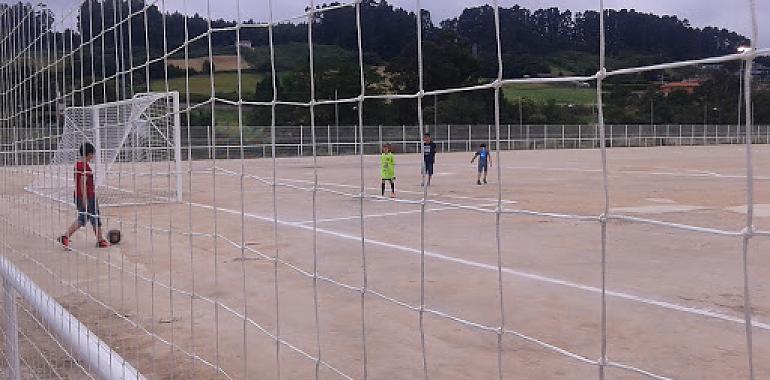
[[740, 92], [435, 111]]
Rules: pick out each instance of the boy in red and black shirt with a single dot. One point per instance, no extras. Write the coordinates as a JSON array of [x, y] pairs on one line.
[[85, 199]]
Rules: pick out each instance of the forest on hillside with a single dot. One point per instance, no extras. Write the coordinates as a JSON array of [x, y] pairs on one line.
[[457, 52]]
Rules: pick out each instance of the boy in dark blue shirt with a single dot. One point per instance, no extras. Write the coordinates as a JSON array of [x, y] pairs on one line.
[[429, 157], [485, 160]]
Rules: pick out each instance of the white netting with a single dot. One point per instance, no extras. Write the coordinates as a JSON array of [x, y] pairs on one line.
[[140, 132], [256, 274]]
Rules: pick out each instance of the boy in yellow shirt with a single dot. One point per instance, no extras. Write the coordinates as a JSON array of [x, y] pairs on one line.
[[388, 169]]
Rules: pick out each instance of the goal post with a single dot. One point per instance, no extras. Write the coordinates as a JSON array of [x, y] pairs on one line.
[[138, 151]]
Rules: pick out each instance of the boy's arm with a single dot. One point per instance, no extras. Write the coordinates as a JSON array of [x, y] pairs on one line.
[[84, 180], [80, 171], [474, 157], [83, 185]]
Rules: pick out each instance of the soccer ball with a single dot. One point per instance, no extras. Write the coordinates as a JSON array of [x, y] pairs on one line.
[[113, 236]]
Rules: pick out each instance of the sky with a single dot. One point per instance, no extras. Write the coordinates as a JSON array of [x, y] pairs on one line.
[[730, 14]]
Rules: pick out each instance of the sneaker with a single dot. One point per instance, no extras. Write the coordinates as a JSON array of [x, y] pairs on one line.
[[103, 244], [485, 181], [478, 182], [392, 195], [64, 241]]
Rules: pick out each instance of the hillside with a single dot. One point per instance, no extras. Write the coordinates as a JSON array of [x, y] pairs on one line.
[[457, 52]]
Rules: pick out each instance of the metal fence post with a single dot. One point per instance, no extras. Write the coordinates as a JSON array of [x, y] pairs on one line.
[[527, 136], [489, 136], [403, 138], [470, 137], [449, 137], [301, 149], [509, 137], [580, 136], [329, 138], [11, 332], [692, 134], [379, 130], [625, 135]]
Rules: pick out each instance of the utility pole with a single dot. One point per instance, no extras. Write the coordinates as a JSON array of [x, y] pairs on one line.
[[652, 111], [337, 120], [740, 92]]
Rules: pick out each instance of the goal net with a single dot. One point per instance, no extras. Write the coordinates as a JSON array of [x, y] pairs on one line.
[[137, 144]]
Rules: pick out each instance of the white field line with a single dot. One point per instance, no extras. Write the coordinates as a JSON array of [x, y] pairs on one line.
[[506, 270], [416, 211], [433, 195], [691, 173]]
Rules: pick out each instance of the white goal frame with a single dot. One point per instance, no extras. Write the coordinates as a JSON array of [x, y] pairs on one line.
[[87, 124]]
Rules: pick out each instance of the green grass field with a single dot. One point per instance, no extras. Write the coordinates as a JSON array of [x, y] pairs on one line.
[[224, 82], [543, 93]]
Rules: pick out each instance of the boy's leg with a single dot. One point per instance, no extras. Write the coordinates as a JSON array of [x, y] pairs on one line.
[[485, 173], [81, 219], [73, 227], [392, 187], [98, 232], [382, 187], [95, 218]]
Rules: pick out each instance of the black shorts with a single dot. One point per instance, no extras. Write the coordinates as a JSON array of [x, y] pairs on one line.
[[429, 167], [483, 166], [88, 215]]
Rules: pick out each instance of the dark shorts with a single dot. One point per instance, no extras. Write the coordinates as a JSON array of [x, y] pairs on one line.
[[88, 215], [429, 167], [483, 166]]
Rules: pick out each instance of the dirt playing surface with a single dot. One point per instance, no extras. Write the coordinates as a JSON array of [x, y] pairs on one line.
[[675, 300]]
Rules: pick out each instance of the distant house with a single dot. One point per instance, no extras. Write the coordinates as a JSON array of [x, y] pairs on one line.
[[689, 86], [245, 44]]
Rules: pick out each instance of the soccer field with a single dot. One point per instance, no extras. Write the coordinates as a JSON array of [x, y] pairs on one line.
[[235, 259]]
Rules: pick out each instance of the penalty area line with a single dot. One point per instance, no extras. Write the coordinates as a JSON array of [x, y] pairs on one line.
[[506, 270]]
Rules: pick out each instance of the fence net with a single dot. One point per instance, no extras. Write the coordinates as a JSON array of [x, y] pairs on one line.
[[240, 271]]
